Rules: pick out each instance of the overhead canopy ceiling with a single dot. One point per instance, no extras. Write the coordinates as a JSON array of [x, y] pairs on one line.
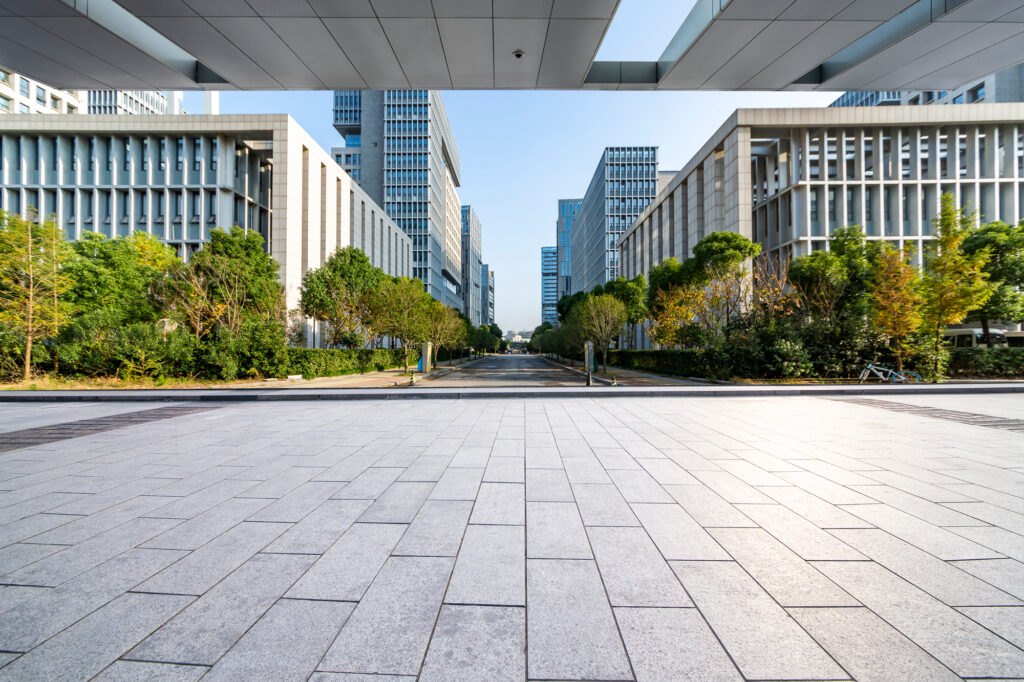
[[499, 44]]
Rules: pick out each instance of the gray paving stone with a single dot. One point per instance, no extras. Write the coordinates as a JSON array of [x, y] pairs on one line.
[[31, 526], [137, 671], [634, 572], [1006, 574], [437, 529], [998, 539], [205, 630], [320, 529], [799, 534], [580, 471], [426, 468], [369, 485], [1005, 621], [197, 531], [744, 617], [20, 555], [477, 643], [547, 485], [936, 514], [543, 458], [869, 648], [731, 489], [830, 491], [965, 647], [944, 581], [206, 566], [500, 503], [615, 458], [457, 484], [638, 486], [816, 510], [100, 522], [676, 534], [398, 504], [347, 469], [294, 506], [926, 536], [510, 447], [390, 629], [505, 470], [915, 486], [784, 575], [65, 565], [602, 505], [571, 632], [285, 644], [707, 507], [667, 472], [990, 513], [490, 568], [749, 473], [554, 530], [200, 501], [345, 570], [90, 645], [471, 456], [356, 677], [673, 644]]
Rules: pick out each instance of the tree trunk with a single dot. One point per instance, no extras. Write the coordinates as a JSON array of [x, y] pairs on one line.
[[935, 363], [604, 352], [898, 351], [28, 357], [985, 332], [405, 355]]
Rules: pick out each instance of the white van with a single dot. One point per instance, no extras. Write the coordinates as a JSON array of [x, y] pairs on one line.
[[969, 338]]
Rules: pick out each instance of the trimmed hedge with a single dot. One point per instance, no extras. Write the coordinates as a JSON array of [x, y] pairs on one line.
[[331, 362], [689, 362], [987, 362]]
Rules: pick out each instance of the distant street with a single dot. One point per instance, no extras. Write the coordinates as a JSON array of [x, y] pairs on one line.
[[508, 370]]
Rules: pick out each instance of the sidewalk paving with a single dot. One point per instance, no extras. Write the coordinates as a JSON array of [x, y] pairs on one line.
[[658, 538]]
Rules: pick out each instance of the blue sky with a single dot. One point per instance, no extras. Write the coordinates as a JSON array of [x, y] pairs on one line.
[[523, 150]]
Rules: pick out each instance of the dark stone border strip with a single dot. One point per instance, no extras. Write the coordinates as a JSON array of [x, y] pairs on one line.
[[971, 418], [14, 440]]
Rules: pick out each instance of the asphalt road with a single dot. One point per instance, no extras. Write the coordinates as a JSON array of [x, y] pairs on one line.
[[506, 370]]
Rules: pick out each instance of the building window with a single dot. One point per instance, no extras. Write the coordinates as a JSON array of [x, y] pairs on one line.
[[5, 104], [23, 108], [977, 93], [54, 103], [40, 96], [23, 87], [5, 76], [959, 99]]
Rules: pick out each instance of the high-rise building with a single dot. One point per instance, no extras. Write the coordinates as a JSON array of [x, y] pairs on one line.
[[789, 178], [472, 247], [486, 294], [1003, 86], [567, 209], [624, 183], [22, 95], [549, 284], [867, 98], [127, 102], [399, 147]]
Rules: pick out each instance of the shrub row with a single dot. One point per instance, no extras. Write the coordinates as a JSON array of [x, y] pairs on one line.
[[330, 362], [987, 362], [689, 362]]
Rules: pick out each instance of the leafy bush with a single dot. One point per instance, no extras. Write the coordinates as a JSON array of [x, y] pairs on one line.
[[691, 362], [987, 362], [329, 362]]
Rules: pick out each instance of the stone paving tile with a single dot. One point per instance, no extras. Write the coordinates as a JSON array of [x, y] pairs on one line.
[[554, 530], [731, 489], [927, 536], [676, 534], [490, 568], [90, 645], [943, 580], [477, 643], [210, 524], [206, 566], [869, 648], [200, 501], [571, 631], [390, 629], [436, 530], [1000, 540], [933, 513], [285, 644], [744, 617], [1005, 621], [547, 485], [706, 507], [500, 503], [1006, 574], [602, 505], [205, 630], [633, 570], [816, 510], [134, 671], [369, 485], [799, 534], [782, 574], [965, 647], [639, 486], [398, 504], [319, 529], [19, 555], [345, 570], [673, 644], [457, 484]]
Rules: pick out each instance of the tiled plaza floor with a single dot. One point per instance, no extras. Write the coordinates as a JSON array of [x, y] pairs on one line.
[[612, 539]]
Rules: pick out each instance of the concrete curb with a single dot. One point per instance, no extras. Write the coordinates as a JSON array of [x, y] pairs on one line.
[[577, 372], [559, 392]]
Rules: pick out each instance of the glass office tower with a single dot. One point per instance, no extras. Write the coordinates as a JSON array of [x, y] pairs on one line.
[[567, 209], [471, 265], [549, 284], [399, 147], [625, 182]]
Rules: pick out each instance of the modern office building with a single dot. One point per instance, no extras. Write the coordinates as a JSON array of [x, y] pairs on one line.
[[22, 95], [549, 284], [567, 210], [127, 102], [472, 263], [787, 178], [399, 147], [178, 177], [868, 98], [624, 183], [486, 294], [1003, 86]]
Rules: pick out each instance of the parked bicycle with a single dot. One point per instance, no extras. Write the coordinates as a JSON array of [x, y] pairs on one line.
[[888, 374]]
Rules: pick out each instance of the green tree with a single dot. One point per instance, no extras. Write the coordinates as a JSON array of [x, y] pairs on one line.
[[600, 319], [444, 327], [400, 309], [724, 250], [1005, 269], [820, 280], [632, 294], [896, 301], [338, 294], [567, 303], [953, 283], [32, 280]]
